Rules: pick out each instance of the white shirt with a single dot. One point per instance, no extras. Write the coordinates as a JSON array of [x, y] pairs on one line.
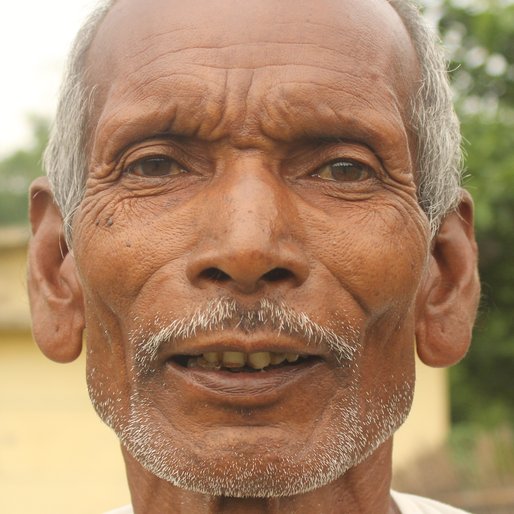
[[122, 510], [407, 503], [410, 504]]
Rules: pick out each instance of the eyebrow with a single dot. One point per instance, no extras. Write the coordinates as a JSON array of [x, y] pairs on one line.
[[283, 122]]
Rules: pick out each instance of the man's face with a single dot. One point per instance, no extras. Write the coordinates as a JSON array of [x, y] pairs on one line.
[[251, 194]]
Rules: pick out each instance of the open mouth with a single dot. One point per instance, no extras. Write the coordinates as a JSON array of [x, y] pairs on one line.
[[238, 362]]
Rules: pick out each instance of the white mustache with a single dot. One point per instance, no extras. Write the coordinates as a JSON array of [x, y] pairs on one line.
[[223, 313]]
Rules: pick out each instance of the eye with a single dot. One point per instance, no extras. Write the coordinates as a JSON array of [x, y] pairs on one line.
[[156, 166], [344, 171]]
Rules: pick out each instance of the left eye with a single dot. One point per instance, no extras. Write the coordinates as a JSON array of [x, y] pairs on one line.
[[344, 171], [155, 167]]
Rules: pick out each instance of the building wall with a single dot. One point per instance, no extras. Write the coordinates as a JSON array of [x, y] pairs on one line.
[[14, 309], [429, 421], [57, 457]]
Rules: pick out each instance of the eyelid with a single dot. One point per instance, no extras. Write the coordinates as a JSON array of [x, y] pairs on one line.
[[309, 158], [351, 160], [151, 157], [358, 163], [152, 150]]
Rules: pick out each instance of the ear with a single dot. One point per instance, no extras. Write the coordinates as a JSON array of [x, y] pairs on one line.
[[448, 298], [54, 289]]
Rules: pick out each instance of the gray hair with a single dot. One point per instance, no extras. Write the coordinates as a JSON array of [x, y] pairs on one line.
[[439, 159], [66, 156]]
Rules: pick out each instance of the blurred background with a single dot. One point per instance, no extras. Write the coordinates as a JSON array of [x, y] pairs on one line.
[[458, 445]]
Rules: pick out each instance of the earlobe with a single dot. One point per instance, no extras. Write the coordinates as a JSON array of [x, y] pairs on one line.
[[448, 298], [54, 289]]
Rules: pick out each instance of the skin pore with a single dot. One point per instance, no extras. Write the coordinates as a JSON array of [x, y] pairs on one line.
[[251, 189]]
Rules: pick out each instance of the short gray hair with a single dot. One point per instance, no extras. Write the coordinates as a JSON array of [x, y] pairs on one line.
[[439, 159], [66, 156]]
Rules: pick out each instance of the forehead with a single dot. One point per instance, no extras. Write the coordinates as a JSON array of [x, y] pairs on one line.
[[134, 24], [274, 59]]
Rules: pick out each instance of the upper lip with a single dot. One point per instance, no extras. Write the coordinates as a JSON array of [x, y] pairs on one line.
[[226, 342]]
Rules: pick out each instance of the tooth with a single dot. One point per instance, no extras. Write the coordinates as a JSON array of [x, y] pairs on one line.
[[292, 357], [205, 364], [212, 357], [259, 360], [233, 359], [277, 358]]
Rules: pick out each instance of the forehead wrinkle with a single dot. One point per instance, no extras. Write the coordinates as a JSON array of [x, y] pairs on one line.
[[258, 22], [172, 85], [258, 55], [336, 114], [129, 113], [256, 34], [278, 117], [223, 50]]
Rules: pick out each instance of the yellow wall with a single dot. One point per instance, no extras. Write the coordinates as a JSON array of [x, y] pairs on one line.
[[56, 457], [429, 420], [14, 312]]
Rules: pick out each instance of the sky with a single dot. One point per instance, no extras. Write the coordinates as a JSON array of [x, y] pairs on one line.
[[35, 36]]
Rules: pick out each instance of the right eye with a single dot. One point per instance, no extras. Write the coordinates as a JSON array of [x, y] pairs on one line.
[[156, 166]]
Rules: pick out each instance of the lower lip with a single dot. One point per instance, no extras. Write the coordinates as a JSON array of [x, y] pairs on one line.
[[253, 388]]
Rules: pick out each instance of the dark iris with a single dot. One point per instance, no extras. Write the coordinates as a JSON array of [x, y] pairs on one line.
[[345, 171], [155, 167]]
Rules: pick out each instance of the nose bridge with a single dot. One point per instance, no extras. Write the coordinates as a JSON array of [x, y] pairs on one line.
[[255, 206], [249, 238]]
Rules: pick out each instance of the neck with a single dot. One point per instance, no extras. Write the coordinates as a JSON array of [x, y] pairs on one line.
[[363, 489]]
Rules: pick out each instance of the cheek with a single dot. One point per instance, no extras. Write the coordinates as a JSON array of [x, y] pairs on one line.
[[117, 258], [107, 369], [376, 252], [125, 260]]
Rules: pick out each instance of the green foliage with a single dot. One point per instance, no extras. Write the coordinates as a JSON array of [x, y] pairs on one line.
[[482, 458], [16, 173], [481, 41]]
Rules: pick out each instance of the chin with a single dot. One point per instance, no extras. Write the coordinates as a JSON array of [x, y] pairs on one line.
[[282, 468], [241, 473]]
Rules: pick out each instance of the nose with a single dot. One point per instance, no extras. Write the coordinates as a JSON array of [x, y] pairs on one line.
[[248, 239]]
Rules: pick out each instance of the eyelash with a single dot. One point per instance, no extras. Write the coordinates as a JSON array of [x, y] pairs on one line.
[[337, 170], [158, 159], [344, 166]]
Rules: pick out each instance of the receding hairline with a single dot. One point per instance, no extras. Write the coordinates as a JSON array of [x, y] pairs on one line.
[[111, 4]]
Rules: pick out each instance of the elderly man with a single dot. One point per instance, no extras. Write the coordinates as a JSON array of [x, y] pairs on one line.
[[254, 209]]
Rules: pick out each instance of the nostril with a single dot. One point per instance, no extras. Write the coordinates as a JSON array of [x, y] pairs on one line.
[[215, 275], [277, 275]]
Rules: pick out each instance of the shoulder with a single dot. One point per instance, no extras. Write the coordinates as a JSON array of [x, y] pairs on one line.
[[410, 504], [122, 510]]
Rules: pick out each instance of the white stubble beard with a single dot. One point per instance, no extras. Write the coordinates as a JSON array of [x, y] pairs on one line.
[[348, 438]]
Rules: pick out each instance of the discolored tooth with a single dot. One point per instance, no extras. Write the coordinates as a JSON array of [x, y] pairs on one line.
[[234, 359], [203, 363], [259, 360], [292, 357], [277, 358], [212, 357]]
